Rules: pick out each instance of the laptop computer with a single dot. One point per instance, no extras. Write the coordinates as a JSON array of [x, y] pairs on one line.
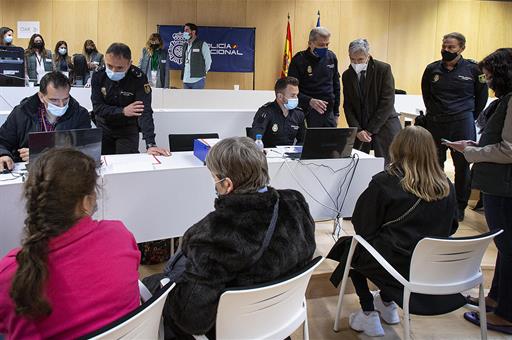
[[87, 141], [325, 143]]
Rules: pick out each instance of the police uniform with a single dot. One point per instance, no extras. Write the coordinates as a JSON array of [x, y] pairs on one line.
[[277, 129], [454, 99], [319, 79], [121, 133]]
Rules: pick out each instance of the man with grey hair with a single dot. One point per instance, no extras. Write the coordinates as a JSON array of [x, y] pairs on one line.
[[369, 100], [316, 68]]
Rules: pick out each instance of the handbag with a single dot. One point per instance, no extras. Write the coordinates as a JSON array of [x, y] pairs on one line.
[[176, 266]]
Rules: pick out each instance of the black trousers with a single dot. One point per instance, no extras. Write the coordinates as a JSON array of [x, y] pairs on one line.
[[498, 214], [458, 130], [363, 291], [119, 139], [315, 119]]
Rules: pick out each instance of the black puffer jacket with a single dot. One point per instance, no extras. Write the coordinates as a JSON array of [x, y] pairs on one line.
[[221, 247], [23, 119]]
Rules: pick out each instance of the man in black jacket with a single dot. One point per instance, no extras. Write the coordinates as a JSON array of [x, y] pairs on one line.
[[369, 100], [316, 68], [454, 92], [52, 108], [121, 102]]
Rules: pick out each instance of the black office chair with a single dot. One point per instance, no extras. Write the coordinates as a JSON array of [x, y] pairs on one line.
[[248, 132], [185, 142]]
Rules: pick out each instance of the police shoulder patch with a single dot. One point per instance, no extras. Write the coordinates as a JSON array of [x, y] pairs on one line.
[[147, 88], [481, 78], [137, 72]]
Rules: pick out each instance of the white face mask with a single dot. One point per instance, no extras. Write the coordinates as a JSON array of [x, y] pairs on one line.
[[359, 67]]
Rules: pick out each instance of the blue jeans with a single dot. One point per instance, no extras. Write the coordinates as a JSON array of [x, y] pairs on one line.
[[199, 85], [498, 213]]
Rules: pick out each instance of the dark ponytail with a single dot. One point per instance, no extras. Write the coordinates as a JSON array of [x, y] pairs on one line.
[[57, 182]]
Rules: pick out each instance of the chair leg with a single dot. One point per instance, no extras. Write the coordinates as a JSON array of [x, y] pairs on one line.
[[407, 318], [353, 245], [305, 328], [483, 312]]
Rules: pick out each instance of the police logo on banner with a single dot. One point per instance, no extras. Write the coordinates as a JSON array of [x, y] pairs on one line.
[[176, 48]]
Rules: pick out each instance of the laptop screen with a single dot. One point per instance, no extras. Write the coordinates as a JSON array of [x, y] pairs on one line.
[[324, 143], [87, 141]]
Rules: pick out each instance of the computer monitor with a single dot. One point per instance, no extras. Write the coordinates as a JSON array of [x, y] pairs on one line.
[[12, 66], [325, 143], [87, 141]]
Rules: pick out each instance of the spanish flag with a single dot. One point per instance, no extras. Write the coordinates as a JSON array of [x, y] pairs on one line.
[[287, 56]]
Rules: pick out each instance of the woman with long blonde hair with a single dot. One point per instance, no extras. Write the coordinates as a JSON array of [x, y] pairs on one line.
[[410, 200]]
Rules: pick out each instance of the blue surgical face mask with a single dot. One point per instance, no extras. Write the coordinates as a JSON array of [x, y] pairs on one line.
[[292, 103], [8, 39], [321, 52], [114, 76], [57, 111], [186, 35], [63, 51]]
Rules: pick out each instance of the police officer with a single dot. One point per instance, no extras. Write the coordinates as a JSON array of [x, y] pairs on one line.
[[281, 122], [121, 100], [454, 92], [316, 68]]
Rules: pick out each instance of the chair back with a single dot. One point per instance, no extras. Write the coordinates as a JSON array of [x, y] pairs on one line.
[[185, 142], [142, 323], [270, 311], [449, 261], [248, 132]]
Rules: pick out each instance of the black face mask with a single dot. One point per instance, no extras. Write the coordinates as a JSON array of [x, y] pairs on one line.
[[37, 45], [448, 56], [155, 46], [89, 50]]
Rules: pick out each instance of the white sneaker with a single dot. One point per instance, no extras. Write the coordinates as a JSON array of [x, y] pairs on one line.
[[388, 313], [369, 324]]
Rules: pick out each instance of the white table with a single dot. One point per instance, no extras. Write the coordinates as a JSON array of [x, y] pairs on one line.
[[158, 201]]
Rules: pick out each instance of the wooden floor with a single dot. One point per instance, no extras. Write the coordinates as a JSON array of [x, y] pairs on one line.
[[322, 301]]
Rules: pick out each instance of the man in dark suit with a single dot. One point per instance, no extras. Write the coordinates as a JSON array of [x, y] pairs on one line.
[[369, 99]]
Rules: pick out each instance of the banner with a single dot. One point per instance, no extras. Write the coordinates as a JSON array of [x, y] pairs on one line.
[[232, 49]]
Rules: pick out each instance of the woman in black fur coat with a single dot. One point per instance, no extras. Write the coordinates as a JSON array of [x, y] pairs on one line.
[[226, 248]]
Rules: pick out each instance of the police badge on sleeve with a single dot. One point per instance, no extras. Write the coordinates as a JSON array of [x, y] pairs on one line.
[[147, 88]]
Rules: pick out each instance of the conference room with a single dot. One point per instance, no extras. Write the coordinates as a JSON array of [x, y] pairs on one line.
[[243, 169]]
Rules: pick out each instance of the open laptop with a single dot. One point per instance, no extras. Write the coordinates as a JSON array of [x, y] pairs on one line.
[[325, 143], [87, 141]]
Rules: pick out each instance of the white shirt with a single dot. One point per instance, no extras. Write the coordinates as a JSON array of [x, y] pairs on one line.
[[205, 50], [40, 66]]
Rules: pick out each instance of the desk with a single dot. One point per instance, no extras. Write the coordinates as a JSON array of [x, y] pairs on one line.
[[162, 197]]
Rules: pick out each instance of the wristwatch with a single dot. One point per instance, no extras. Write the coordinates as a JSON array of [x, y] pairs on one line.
[[150, 145]]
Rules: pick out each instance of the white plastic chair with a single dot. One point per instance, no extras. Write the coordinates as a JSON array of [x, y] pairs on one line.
[[439, 266], [142, 323], [266, 312]]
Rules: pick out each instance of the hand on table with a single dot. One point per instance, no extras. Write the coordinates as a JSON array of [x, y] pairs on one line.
[[6, 162], [156, 151], [318, 105]]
